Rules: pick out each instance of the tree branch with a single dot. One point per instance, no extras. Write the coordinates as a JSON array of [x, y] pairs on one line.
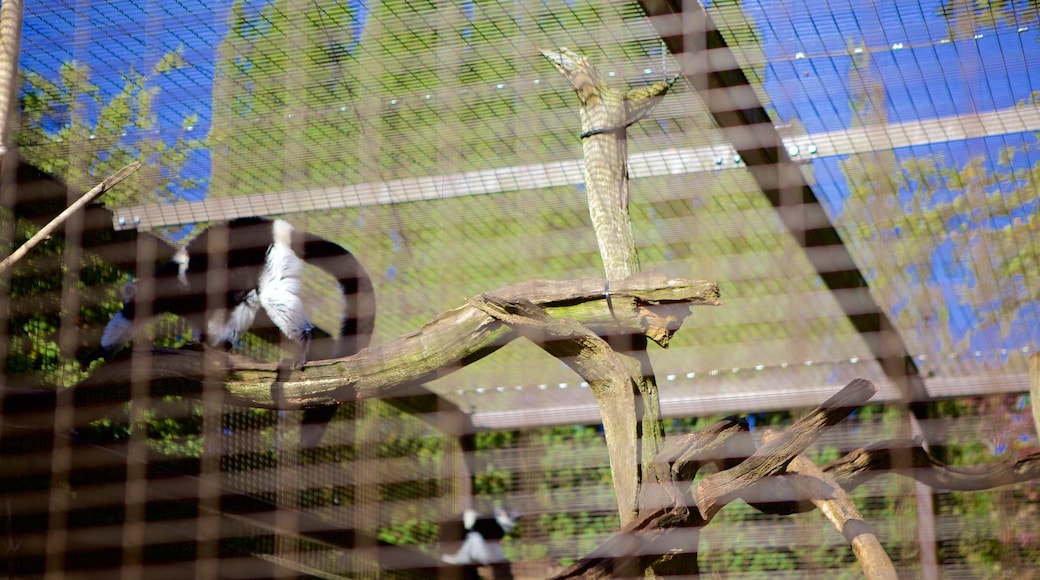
[[107, 184], [837, 507], [772, 457], [866, 463], [605, 115], [646, 538], [450, 341], [611, 377], [640, 101], [774, 479]]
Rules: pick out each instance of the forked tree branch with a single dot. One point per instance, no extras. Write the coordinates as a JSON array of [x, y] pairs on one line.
[[612, 378], [775, 480], [605, 114], [656, 306], [837, 507], [891, 456], [647, 538]]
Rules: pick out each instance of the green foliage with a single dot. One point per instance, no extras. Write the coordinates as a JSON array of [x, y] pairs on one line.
[[172, 427], [909, 209], [414, 532], [36, 315], [69, 129], [964, 18]]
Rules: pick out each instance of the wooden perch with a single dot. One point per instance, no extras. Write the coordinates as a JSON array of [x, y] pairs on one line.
[[646, 538], [612, 378], [775, 479], [864, 464], [606, 114], [837, 507], [452, 340]]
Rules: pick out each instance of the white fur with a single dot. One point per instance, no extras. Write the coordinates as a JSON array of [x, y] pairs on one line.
[[282, 232], [181, 258], [223, 328], [129, 291], [280, 283], [508, 520], [469, 517], [476, 550], [118, 332], [277, 292]]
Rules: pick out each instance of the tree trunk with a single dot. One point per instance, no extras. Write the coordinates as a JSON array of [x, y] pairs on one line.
[[605, 116], [10, 44]]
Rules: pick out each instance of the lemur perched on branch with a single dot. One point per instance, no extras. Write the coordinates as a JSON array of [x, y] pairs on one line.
[[223, 277], [482, 545]]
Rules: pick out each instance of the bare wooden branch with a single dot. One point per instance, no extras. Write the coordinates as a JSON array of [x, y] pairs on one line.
[[646, 537], [864, 464], [611, 377], [837, 507], [772, 458], [639, 102], [645, 542], [452, 340], [605, 115], [107, 184], [773, 479]]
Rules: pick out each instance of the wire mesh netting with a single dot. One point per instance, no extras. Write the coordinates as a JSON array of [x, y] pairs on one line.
[[859, 180]]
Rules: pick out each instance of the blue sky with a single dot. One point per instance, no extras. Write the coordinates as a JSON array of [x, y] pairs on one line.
[[806, 74], [926, 76], [113, 37]]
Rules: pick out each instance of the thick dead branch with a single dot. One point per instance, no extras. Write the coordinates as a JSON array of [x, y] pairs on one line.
[[606, 113], [775, 480], [452, 340], [785, 495], [864, 464], [835, 505], [107, 184], [646, 538], [724, 444], [772, 458]]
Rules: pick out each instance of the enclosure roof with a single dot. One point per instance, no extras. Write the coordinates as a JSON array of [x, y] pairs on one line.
[[435, 141]]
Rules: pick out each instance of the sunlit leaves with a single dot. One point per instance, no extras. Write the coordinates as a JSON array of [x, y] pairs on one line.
[[69, 128]]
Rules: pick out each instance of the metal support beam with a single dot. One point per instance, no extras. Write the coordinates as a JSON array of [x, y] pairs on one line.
[[712, 69]]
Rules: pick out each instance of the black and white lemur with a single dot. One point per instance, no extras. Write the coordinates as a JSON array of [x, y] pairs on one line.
[[483, 544], [256, 263]]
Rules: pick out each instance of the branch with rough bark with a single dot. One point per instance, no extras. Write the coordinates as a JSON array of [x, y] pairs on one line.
[[606, 113], [647, 538], [652, 304], [908, 458], [832, 501], [612, 378], [775, 479]]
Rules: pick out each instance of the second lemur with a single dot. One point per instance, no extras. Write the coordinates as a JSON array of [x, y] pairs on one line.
[[227, 274]]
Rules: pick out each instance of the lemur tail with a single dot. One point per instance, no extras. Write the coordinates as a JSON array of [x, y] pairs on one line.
[[357, 324]]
